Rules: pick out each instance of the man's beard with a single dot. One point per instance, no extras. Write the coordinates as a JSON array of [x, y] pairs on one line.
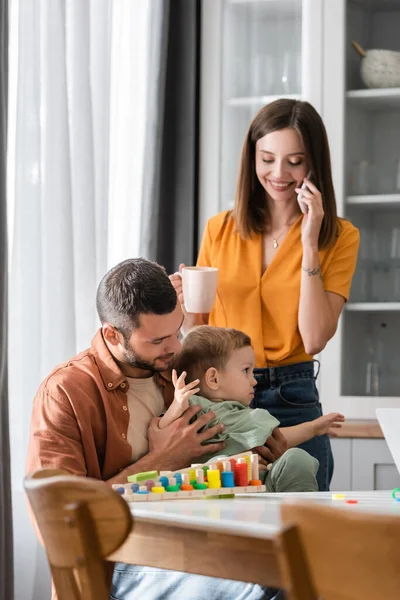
[[133, 359]]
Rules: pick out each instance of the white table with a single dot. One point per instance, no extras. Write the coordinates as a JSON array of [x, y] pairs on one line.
[[232, 538]]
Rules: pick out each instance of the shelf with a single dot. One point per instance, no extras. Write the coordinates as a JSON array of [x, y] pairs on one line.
[[375, 99], [270, 8], [373, 306], [375, 201], [378, 5], [261, 100]]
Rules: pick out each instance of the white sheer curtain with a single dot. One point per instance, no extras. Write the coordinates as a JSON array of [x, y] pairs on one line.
[[78, 71], [128, 96]]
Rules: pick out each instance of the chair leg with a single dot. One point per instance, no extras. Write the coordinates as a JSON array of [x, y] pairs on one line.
[[65, 583], [90, 567], [294, 567]]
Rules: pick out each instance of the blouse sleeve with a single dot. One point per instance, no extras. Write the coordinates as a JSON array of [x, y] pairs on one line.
[[340, 270]]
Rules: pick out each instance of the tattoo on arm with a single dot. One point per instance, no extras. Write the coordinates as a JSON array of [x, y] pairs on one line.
[[313, 272]]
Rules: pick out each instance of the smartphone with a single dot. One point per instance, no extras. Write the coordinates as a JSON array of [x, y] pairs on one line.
[[303, 205]]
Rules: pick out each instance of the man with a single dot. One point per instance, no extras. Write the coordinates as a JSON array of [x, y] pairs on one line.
[[96, 415]]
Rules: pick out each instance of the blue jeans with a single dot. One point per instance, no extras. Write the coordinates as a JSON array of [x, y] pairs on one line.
[[131, 582], [289, 393]]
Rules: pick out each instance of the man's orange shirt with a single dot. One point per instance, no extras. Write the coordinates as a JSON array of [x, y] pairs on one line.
[[266, 305], [80, 416]]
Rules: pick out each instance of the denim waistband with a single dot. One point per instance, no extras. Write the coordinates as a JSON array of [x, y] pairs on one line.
[[276, 375]]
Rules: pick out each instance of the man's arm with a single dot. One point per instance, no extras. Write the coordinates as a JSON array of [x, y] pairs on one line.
[[55, 441], [275, 446], [149, 462], [177, 445], [55, 438]]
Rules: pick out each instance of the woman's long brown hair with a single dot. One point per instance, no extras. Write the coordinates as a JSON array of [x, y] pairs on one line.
[[251, 209]]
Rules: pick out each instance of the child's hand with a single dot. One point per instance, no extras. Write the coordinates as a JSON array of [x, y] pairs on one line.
[[327, 424], [182, 391]]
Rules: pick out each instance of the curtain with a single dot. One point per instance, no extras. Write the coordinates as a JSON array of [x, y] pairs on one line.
[[170, 185], [58, 171], [6, 544], [102, 166], [131, 31]]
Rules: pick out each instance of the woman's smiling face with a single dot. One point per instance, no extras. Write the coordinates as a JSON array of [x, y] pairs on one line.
[[281, 163]]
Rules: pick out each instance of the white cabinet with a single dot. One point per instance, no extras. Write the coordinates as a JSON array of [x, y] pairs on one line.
[[254, 51], [363, 464], [360, 366], [341, 479], [372, 466]]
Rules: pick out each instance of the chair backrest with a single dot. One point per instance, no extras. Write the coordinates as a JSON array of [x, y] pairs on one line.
[[81, 521], [339, 554]]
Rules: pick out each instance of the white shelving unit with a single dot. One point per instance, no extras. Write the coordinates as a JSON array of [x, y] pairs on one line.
[[359, 367], [244, 45]]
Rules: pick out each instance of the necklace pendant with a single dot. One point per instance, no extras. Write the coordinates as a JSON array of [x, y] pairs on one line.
[[275, 244]]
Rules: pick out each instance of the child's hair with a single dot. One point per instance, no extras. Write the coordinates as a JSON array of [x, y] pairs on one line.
[[207, 346]]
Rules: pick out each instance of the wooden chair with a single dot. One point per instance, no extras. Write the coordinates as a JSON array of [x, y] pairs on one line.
[[338, 554], [81, 521]]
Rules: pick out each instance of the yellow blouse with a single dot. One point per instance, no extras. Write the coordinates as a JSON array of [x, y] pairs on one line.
[[266, 305]]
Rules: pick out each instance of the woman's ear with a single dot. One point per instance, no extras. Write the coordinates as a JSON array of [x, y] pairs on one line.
[[211, 379]]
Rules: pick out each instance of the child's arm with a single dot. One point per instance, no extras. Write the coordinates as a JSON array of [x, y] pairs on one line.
[[180, 402], [305, 431]]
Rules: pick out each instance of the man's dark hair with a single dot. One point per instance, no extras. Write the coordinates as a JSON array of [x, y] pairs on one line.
[[135, 286]]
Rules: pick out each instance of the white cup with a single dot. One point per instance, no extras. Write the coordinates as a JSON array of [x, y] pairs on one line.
[[199, 288]]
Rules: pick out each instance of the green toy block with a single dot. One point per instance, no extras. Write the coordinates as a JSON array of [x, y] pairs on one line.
[[219, 497], [173, 488], [142, 476]]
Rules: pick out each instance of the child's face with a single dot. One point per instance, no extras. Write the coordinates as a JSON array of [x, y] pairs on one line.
[[236, 381]]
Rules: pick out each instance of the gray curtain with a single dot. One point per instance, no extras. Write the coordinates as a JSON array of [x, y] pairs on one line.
[[6, 546], [170, 196]]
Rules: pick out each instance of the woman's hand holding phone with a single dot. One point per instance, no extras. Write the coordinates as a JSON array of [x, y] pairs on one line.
[[303, 205], [310, 196]]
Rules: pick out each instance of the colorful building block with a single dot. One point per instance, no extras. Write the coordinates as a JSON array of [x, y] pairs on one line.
[[196, 494], [143, 476], [221, 478]]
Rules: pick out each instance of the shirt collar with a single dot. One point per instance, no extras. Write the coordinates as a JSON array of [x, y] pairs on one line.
[[110, 372]]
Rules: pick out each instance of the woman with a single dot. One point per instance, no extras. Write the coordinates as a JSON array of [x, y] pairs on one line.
[[283, 276]]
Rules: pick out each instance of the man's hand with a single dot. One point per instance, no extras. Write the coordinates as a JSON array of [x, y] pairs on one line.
[[180, 443], [275, 446]]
